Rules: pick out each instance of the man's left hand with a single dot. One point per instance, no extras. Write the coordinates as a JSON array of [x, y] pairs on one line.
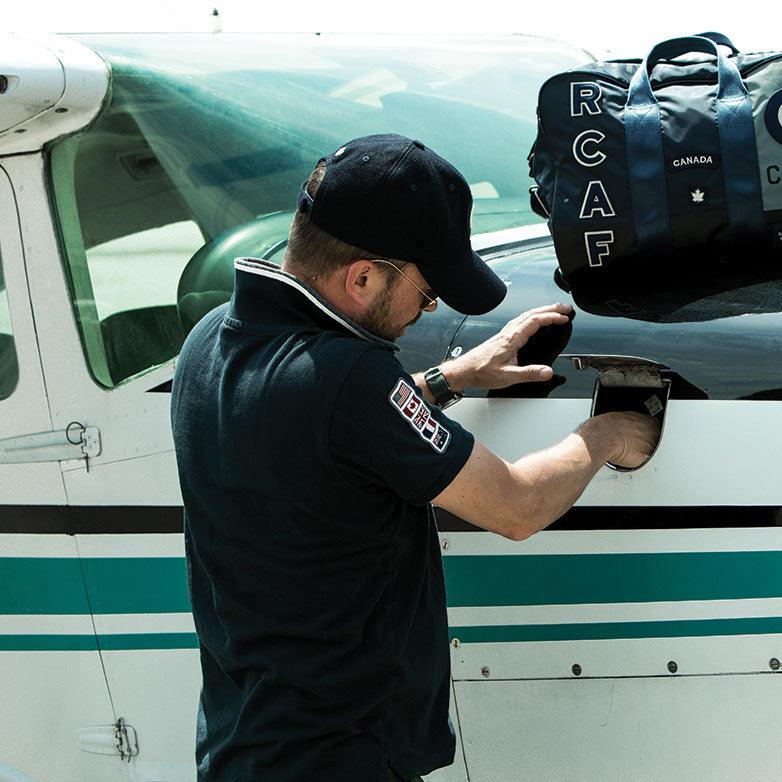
[[492, 364]]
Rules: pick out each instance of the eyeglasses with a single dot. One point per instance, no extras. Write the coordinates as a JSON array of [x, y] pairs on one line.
[[429, 301]]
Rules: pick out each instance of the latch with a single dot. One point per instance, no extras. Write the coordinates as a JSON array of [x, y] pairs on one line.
[[117, 739], [76, 441], [628, 383]]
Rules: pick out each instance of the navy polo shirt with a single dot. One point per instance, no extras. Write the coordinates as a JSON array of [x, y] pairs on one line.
[[307, 460]]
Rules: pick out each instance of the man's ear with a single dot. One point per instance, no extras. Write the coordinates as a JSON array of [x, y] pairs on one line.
[[362, 281]]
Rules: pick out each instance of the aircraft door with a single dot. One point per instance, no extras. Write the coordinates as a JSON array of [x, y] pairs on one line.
[[108, 331], [53, 684]]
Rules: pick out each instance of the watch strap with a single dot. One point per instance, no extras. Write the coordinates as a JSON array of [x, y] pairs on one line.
[[441, 391]]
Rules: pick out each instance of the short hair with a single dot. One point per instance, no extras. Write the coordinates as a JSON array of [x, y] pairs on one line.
[[317, 253]]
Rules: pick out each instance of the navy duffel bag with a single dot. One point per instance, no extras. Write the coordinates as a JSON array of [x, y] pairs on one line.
[[676, 159]]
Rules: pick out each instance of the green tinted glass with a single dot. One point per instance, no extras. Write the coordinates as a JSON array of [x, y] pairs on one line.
[[199, 155]]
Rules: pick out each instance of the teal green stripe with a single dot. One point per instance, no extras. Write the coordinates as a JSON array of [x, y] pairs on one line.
[[87, 643], [48, 643], [601, 631], [568, 579], [129, 585], [159, 584], [137, 585], [41, 585], [119, 641]]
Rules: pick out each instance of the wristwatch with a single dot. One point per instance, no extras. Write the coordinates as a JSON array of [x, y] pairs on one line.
[[443, 394]]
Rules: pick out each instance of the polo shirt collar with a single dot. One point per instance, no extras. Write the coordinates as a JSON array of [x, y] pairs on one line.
[[287, 297]]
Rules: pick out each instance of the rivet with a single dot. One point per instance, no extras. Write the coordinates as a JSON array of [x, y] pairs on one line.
[[485, 672], [576, 669], [672, 666], [446, 544], [457, 351], [456, 643], [773, 663]]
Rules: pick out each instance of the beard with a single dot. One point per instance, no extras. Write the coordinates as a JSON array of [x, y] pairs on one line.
[[379, 320]]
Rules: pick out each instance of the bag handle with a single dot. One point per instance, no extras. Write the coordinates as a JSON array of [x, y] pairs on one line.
[[730, 83], [646, 162], [720, 39]]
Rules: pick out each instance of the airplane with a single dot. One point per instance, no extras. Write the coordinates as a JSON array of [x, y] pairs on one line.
[[637, 638]]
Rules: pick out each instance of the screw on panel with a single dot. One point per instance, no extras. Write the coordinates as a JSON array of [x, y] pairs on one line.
[[773, 663], [60, 111], [576, 669], [672, 666], [446, 544], [457, 351], [456, 643], [485, 672]]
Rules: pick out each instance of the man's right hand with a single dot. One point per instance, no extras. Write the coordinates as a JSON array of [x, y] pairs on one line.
[[629, 438]]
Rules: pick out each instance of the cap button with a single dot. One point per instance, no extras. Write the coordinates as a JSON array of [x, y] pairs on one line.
[[419, 145]]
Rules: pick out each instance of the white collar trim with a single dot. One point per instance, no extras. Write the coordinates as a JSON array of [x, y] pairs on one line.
[[263, 268]]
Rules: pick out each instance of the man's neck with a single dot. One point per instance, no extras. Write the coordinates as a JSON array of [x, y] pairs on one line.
[[330, 289]]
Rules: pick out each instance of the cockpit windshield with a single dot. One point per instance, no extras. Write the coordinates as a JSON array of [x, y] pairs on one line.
[[204, 134]]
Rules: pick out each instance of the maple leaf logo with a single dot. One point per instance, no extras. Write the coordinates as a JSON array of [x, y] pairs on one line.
[[697, 196]]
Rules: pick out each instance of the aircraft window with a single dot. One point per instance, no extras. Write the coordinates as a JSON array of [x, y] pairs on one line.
[[207, 144], [9, 367]]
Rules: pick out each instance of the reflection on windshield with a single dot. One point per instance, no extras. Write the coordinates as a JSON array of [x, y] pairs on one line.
[[237, 127]]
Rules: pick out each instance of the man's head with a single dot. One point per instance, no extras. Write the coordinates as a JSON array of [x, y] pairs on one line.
[[383, 226]]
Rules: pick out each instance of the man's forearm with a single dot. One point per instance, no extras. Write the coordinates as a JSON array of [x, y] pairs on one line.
[[555, 478]]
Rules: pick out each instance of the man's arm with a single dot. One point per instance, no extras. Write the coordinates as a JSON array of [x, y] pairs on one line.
[[517, 500]]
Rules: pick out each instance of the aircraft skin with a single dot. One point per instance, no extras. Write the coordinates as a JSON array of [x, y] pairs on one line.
[[638, 638]]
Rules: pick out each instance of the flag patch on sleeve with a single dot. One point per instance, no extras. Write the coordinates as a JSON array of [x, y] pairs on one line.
[[416, 412]]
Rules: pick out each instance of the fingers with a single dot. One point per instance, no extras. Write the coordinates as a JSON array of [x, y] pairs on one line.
[[560, 309], [534, 373], [522, 330], [640, 433]]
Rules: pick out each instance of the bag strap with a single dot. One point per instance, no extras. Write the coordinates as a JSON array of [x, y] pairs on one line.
[[720, 39], [645, 148]]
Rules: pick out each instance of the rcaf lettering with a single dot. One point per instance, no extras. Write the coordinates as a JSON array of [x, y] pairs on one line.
[[580, 152], [585, 99], [584, 95], [597, 246], [772, 174], [596, 200]]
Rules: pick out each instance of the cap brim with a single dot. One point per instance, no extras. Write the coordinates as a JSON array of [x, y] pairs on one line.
[[469, 287]]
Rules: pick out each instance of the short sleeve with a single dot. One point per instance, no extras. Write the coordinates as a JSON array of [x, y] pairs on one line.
[[384, 433]]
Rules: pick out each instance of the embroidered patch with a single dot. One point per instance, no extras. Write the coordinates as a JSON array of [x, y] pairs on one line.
[[417, 413]]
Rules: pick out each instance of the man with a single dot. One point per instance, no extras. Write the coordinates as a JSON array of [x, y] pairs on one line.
[[308, 460]]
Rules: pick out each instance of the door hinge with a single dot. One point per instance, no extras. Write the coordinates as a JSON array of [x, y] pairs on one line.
[[118, 739], [76, 441]]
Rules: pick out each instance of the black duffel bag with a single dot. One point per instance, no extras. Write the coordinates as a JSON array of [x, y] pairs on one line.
[[673, 162]]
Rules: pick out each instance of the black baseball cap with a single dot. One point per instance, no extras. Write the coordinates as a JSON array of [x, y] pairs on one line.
[[393, 196]]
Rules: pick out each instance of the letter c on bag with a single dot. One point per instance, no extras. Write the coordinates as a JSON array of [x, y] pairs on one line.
[[585, 156]]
